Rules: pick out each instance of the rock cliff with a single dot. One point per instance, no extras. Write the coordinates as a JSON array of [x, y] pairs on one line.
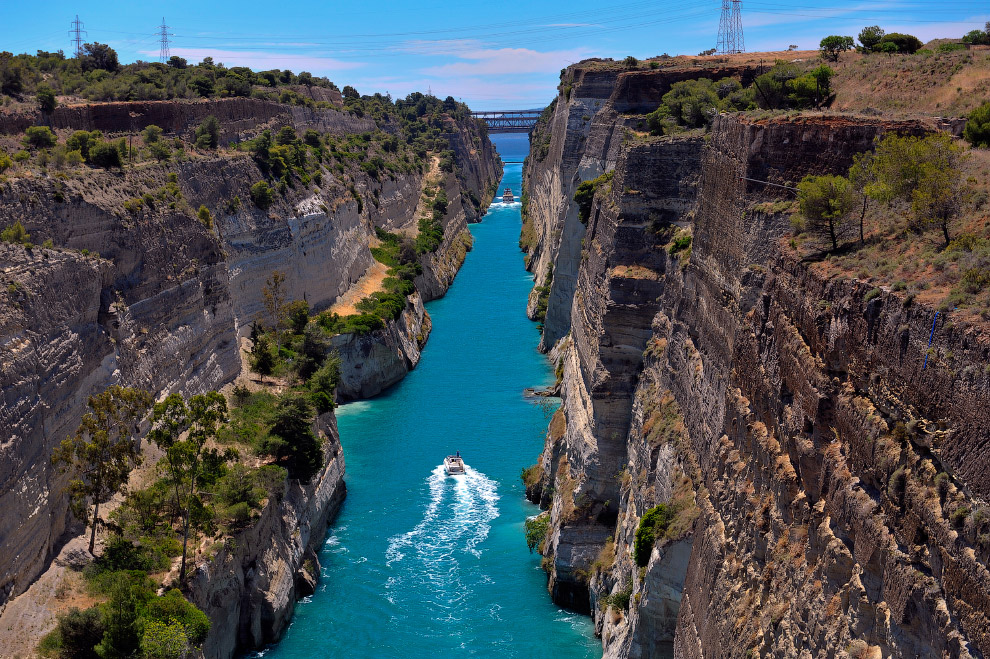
[[156, 299], [781, 419]]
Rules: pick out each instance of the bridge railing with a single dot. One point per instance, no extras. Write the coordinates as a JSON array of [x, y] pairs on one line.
[[509, 121]]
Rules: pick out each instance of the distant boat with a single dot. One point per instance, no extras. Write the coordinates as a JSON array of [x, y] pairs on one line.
[[507, 197], [454, 464]]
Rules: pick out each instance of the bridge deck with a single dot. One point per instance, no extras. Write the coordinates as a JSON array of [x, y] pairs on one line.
[[509, 121]]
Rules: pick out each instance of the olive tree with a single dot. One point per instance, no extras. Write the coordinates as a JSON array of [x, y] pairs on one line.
[[832, 46], [102, 453], [825, 202]]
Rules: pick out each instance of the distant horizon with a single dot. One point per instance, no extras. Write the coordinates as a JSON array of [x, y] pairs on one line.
[[508, 61]]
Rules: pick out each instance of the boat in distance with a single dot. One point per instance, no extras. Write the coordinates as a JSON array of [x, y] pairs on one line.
[[507, 197], [454, 464]]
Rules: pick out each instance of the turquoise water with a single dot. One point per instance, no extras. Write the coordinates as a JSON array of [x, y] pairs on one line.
[[419, 564]]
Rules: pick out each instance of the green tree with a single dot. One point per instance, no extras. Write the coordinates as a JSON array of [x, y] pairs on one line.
[[350, 92], [536, 531], [99, 56], [198, 422], [15, 234], [39, 137], [652, 525], [129, 591], [46, 99], [862, 176], [208, 133], [103, 451], [263, 356], [105, 155], [291, 440], [977, 131], [297, 315], [202, 86], [205, 216], [824, 202], [323, 384], [262, 195], [12, 73], [834, 45], [177, 62], [82, 141], [905, 43], [164, 640], [273, 294], [286, 135], [78, 632], [151, 134], [160, 151], [924, 171], [870, 37], [630, 62], [5, 161]]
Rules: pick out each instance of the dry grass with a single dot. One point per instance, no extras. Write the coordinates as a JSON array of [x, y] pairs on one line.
[[370, 282]]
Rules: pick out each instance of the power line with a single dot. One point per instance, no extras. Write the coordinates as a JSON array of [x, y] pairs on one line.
[[164, 54], [730, 30], [76, 33]]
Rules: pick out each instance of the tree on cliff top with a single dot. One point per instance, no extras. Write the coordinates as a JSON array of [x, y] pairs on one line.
[[825, 201], [102, 452], [870, 37], [198, 422], [832, 46]]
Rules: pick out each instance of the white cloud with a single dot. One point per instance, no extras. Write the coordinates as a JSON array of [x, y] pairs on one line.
[[507, 62], [261, 60]]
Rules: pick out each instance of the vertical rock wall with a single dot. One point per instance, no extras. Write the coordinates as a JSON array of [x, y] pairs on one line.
[[765, 405]]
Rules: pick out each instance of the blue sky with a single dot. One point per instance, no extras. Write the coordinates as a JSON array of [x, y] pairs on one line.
[[493, 55]]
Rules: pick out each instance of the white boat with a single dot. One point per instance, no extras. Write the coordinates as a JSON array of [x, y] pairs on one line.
[[454, 464], [507, 197]]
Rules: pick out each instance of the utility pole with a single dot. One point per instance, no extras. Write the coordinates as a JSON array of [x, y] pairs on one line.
[[76, 33], [164, 54], [730, 30]]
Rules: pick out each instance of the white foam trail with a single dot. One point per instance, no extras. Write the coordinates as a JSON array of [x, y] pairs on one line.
[[502, 204], [456, 522]]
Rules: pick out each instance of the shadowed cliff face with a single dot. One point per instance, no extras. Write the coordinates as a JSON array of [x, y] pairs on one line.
[[157, 300], [768, 406]]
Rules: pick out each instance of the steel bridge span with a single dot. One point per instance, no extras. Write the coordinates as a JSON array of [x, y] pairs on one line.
[[509, 121]]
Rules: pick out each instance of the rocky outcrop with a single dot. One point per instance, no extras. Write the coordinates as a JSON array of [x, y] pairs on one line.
[[155, 299], [238, 117], [782, 420], [249, 589]]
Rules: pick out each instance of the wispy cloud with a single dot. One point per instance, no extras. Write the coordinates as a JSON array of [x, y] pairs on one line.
[[507, 62], [260, 59], [572, 25]]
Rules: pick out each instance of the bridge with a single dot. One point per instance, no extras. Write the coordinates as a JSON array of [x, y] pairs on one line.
[[509, 121]]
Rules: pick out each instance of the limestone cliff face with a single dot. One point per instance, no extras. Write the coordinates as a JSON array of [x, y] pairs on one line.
[[157, 300], [768, 406], [250, 588]]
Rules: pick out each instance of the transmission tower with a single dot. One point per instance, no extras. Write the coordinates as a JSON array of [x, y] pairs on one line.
[[730, 30], [76, 33], [164, 53]]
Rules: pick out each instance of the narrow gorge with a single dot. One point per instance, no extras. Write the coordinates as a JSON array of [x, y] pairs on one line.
[[755, 454]]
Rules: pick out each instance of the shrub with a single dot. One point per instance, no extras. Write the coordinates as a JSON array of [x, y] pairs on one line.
[[870, 37], [652, 525], [151, 134], [46, 99], [825, 202], [39, 137], [977, 131], [297, 314], [897, 485], [164, 640], [536, 530], [531, 475], [323, 383], [905, 43], [5, 161], [208, 133], [585, 195], [959, 516], [942, 482], [21, 156], [105, 155], [291, 440], [630, 62], [262, 195], [76, 634], [205, 216], [15, 234]]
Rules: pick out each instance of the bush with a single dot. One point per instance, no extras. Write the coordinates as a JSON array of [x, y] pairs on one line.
[[905, 43], [870, 37], [46, 99], [536, 530], [323, 383], [172, 606], [76, 634], [652, 525], [208, 133], [164, 640], [205, 216], [630, 62], [262, 195], [105, 155], [585, 195], [151, 134], [291, 440], [15, 234], [5, 161], [297, 313], [39, 137], [977, 130]]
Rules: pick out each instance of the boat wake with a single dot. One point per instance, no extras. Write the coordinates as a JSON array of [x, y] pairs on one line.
[[456, 522], [501, 204]]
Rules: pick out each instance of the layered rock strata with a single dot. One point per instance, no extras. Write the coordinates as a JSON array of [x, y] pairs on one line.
[[783, 418], [156, 299]]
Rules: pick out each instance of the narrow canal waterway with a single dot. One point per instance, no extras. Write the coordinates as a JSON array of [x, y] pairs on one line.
[[423, 565]]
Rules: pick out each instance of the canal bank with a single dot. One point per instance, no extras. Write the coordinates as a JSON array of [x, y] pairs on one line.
[[420, 563]]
